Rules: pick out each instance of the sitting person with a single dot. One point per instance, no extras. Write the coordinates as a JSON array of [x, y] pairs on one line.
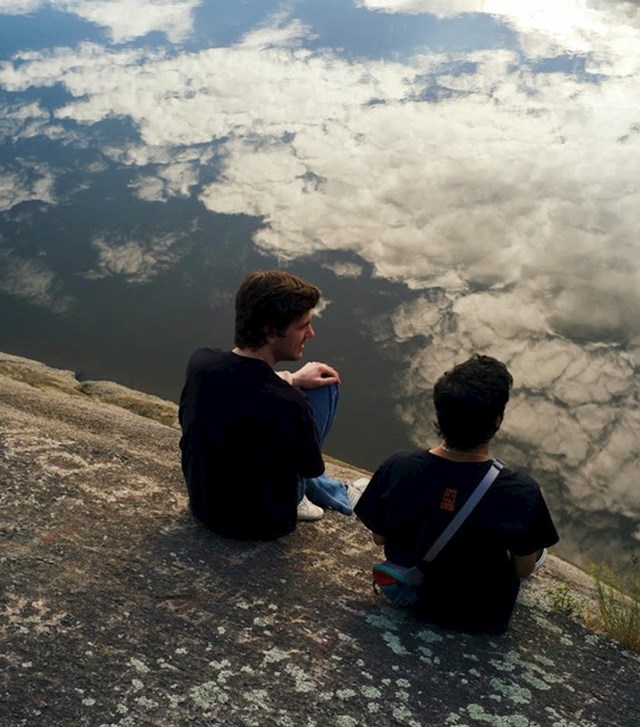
[[251, 437], [473, 583]]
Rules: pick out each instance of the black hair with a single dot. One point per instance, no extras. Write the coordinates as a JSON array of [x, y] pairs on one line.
[[470, 401]]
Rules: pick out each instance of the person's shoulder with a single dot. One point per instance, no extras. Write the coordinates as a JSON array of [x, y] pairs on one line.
[[406, 459], [208, 353], [204, 358], [516, 479]]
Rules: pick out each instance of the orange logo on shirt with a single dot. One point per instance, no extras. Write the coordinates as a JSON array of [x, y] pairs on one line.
[[448, 501]]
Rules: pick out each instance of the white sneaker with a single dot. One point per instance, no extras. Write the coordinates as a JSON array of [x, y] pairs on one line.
[[355, 490], [309, 512]]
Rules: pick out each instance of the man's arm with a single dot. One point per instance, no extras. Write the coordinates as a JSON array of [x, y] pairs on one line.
[[311, 376], [524, 564]]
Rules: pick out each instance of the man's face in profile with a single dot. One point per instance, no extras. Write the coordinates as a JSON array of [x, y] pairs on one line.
[[289, 346]]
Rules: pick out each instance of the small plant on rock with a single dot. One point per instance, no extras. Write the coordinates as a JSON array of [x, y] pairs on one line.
[[563, 600], [619, 602]]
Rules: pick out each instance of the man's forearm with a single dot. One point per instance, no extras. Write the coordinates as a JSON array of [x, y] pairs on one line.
[[286, 376]]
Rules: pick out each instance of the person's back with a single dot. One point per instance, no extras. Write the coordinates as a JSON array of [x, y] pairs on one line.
[[412, 497], [247, 437]]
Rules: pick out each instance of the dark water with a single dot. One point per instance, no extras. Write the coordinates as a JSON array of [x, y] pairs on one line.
[[456, 177]]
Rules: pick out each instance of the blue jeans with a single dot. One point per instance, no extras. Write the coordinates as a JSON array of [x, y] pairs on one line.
[[324, 490]]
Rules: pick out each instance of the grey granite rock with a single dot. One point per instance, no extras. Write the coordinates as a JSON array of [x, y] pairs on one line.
[[118, 609]]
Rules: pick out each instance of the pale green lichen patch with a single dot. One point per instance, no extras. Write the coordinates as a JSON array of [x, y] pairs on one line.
[[257, 697], [477, 713], [303, 682], [344, 720], [139, 665], [543, 620], [208, 695], [221, 664], [175, 700], [540, 677], [383, 620], [549, 663], [404, 715], [536, 682], [146, 703], [345, 693], [508, 662], [163, 664], [426, 655], [428, 636], [262, 622], [274, 655], [371, 692], [393, 642], [511, 691]]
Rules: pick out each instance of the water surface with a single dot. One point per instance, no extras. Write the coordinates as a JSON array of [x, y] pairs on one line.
[[457, 177]]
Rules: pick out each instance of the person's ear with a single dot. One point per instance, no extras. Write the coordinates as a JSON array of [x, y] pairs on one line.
[[499, 422], [270, 333]]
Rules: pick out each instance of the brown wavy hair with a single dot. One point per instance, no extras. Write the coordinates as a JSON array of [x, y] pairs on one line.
[[270, 298]]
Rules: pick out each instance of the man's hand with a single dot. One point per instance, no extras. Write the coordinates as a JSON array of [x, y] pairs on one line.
[[315, 374]]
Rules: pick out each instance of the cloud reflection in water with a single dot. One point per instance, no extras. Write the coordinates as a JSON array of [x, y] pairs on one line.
[[499, 185]]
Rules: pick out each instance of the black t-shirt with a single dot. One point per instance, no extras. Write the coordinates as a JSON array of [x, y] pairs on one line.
[[247, 436], [471, 585]]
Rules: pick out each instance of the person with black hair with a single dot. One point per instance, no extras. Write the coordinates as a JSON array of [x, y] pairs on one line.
[[251, 436], [473, 583]]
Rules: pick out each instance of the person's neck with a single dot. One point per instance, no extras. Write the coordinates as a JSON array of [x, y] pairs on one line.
[[476, 454], [261, 354]]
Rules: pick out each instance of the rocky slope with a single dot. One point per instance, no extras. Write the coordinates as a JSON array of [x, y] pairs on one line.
[[118, 609]]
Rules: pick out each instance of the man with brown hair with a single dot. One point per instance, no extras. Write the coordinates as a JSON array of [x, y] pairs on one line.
[[251, 443]]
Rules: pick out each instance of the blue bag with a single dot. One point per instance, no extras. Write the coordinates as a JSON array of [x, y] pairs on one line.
[[397, 583]]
